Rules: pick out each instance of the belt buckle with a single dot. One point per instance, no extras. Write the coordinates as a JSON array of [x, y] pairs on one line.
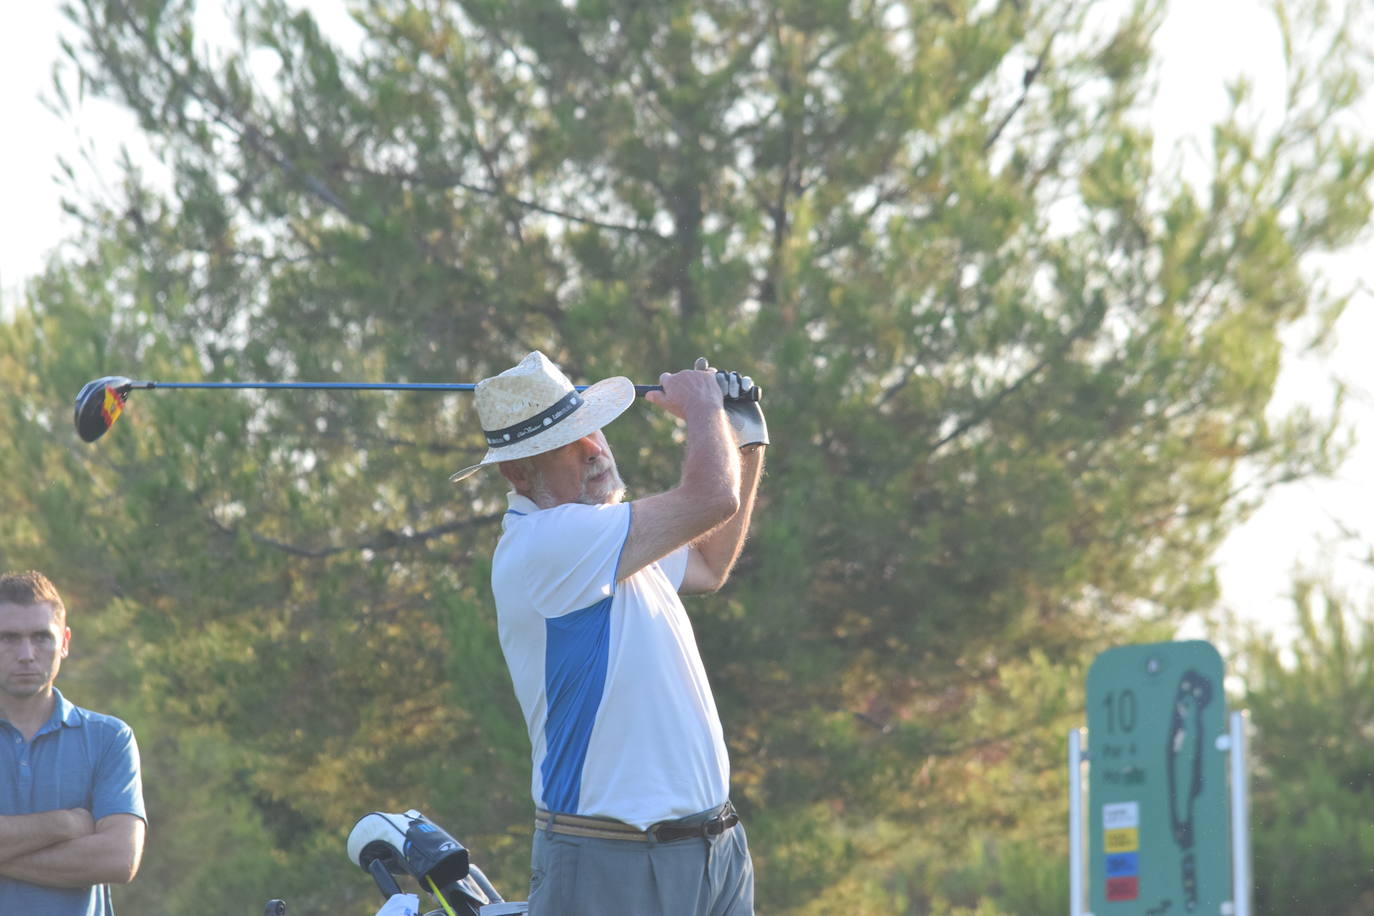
[[722, 822], [714, 826]]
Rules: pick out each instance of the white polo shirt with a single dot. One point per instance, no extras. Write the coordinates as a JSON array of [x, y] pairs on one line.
[[621, 718]]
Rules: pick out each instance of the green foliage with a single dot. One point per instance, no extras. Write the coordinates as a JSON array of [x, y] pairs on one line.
[[1012, 366], [1312, 702]]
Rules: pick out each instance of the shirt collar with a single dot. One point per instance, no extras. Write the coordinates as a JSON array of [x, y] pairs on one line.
[[517, 505], [64, 712]]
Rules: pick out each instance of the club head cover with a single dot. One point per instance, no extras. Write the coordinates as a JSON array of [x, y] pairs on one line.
[[408, 844]]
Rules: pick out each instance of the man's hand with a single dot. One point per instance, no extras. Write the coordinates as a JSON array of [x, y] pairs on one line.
[[686, 391], [741, 406], [80, 822]]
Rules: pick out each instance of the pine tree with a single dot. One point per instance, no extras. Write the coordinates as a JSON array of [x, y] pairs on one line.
[[1011, 369]]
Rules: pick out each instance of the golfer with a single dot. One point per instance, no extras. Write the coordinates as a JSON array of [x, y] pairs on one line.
[[71, 799], [630, 772]]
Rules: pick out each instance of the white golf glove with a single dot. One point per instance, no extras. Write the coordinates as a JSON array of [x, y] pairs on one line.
[[400, 905], [741, 405]]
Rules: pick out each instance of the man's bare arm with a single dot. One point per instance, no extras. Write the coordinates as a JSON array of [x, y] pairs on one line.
[[110, 855], [713, 557], [21, 834], [707, 494]]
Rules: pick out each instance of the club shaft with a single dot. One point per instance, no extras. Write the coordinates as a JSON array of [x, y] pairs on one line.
[[640, 390]]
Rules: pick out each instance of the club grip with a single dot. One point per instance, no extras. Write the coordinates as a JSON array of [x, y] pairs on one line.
[[755, 394]]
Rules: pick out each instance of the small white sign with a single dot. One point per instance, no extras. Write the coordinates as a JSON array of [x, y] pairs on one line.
[[1121, 816]]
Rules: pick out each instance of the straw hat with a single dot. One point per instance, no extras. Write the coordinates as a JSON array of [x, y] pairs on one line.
[[533, 408]]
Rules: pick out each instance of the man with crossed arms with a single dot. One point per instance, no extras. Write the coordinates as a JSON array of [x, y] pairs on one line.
[[630, 771], [71, 798]]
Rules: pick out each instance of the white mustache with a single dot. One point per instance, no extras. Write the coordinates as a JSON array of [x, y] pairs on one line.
[[598, 469]]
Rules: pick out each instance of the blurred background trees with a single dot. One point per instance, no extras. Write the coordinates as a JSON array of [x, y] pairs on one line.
[[1312, 702], [1013, 370]]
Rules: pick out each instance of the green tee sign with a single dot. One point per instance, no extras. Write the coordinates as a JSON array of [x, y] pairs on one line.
[[1159, 837]]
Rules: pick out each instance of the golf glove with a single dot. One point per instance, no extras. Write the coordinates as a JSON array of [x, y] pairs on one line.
[[401, 905], [741, 406]]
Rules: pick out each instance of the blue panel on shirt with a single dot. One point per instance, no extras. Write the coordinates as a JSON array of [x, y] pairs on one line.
[[576, 653]]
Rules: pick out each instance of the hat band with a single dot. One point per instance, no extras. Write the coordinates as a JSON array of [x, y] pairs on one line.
[[562, 408]]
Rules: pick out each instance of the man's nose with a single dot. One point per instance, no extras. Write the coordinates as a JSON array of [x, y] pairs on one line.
[[592, 447], [26, 649]]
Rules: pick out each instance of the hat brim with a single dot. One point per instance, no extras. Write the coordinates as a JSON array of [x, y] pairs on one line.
[[601, 403]]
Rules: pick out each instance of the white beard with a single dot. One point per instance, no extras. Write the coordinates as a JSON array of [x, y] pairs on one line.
[[606, 493]]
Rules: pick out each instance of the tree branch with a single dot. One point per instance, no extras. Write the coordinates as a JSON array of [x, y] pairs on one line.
[[384, 540]]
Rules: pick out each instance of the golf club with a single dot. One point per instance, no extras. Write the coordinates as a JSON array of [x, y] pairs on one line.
[[102, 400]]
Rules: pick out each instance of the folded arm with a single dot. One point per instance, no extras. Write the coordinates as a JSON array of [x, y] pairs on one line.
[[108, 855], [21, 834]]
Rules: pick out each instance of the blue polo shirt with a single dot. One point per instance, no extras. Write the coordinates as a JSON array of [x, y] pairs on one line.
[[78, 759]]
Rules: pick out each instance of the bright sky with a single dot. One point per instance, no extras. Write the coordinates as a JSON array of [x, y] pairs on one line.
[[1201, 45]]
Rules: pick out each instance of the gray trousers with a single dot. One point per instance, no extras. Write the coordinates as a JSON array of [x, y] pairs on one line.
[[590, 876]]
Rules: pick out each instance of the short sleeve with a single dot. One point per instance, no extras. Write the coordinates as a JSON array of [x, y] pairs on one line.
[[118, 785], [674, 566], [565, 559]]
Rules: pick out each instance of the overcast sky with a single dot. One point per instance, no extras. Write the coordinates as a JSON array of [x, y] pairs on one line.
[[1201, 45]]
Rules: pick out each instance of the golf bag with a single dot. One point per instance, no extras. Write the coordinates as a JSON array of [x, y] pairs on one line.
[[388, 846]]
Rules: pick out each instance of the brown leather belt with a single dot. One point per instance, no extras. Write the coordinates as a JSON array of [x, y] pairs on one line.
[[604, 828]]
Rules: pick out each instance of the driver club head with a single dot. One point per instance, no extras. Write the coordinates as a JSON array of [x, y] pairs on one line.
[[99, 404]]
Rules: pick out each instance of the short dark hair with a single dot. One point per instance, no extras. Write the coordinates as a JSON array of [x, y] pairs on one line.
[[31, 588]]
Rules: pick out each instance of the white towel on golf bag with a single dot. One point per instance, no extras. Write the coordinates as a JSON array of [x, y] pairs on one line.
[[401, 905]]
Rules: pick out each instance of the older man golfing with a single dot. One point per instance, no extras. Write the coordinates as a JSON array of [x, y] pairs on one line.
[[630, 771]]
